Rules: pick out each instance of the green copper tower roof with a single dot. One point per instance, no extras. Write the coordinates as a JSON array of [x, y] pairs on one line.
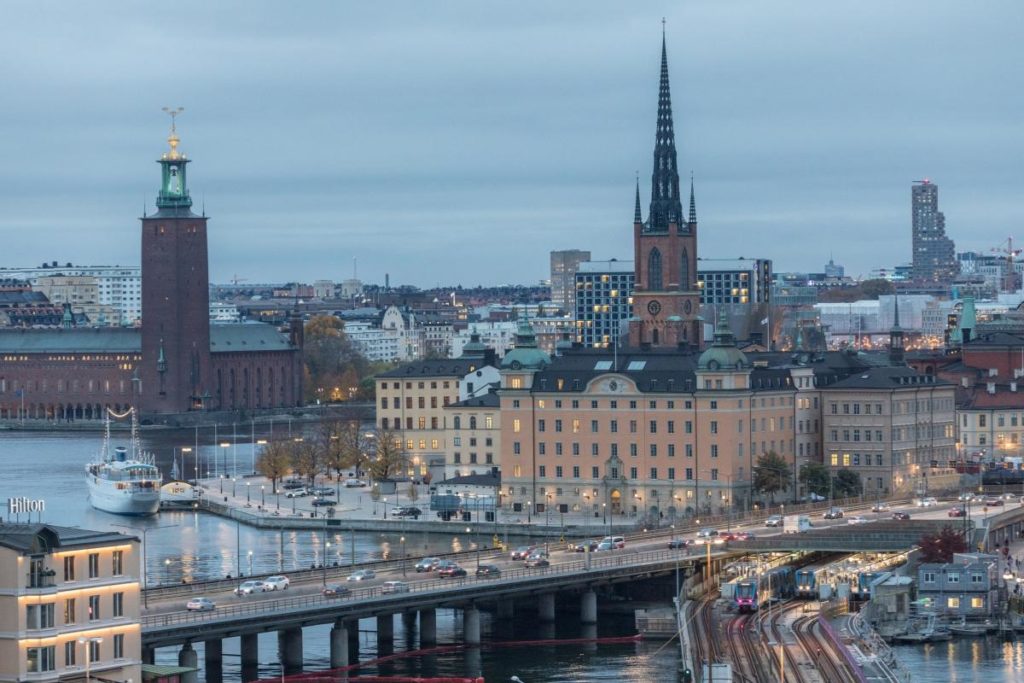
[[173, 195]]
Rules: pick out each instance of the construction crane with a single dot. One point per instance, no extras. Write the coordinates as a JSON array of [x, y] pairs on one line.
[[235, 280], [1009, 273]]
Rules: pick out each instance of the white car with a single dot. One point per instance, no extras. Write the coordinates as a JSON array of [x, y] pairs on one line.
[[858, 519], [361, 575], [274, 583], [394, 587], [927, 502], [200, 605], [250, 587], [354, 483]]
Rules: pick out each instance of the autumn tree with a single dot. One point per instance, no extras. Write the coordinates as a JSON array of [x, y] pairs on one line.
[[942, 546], [814, 477], [772, 474], [307, 458], [390, 458], [331, 360], [275, 461]]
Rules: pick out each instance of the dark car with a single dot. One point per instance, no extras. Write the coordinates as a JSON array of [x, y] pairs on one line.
[[679, 543], [488, 571], [335, 590], [537, 561], [427, 564], [451, 571], [957, 512], [902, 516], [994, 502], [738, 535], [833, 513], [321, 502], [584, 546], [407, 512], [522, 552]]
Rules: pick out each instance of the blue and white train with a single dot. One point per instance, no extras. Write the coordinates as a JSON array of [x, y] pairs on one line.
[[751, 593]]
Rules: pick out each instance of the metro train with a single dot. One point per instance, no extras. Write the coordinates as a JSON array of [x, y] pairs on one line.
[[751, 593]]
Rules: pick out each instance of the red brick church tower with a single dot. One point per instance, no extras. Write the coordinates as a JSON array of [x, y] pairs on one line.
[[666, 301], [175, 370]]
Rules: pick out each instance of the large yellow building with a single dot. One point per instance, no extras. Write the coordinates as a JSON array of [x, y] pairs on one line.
[[69, 603]]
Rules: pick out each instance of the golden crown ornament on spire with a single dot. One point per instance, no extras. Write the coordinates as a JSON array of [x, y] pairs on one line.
[[173, 139]]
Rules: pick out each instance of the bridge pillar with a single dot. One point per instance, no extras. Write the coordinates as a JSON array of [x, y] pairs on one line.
[[188, 657], [385, 633], [339, 645], [213, 660], [589, 631], [471, 625], [428, 627], [588, 608], [249, 646], [289, 645], [409, 625], [353, 642], [148, 655], [506, 609], [546, 606]]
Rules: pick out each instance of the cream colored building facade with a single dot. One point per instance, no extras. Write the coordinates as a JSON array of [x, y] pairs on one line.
[[69, 601]]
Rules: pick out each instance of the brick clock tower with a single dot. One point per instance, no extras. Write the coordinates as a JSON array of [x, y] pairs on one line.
[[175, 370], [666, 300]]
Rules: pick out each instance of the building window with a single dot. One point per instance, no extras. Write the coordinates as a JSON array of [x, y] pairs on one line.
[[671, 450], [70, 653], [39, 616], [558, 471], [654, 473], [953, 577], [953, 603], [614, 425], [69, 611], [118, 604], [117, 566], [714, 450], [119, 646], [671, 473], [714, 474], [541, 448], [632, 473], [516, 448], [542, 471], [541, 425], [594, 472], [654, 426], [39, 659], [69, 568], [689, 427], [576, 472], [689, 474], [978, 603], [714, 426], [94, 607], [516, 426]]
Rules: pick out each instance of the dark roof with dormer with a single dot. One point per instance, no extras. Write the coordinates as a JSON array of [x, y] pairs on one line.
[[488, 400], [888, 378], [44, 538], [439, 367], [223, 338]]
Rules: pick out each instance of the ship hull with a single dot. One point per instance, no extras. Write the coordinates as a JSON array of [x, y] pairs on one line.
[[108, 498]]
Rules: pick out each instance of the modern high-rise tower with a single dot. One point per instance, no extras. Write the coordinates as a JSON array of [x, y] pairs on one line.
[[934, 254], [563, 277], [666, 300]]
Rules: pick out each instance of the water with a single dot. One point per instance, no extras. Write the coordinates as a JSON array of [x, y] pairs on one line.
[[186, 545]]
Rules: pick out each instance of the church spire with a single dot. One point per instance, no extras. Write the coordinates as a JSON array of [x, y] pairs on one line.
[[666, 207], [693, 203], [637, 217]]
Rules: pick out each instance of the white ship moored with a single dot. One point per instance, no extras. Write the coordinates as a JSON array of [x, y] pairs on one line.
[[123, 483]]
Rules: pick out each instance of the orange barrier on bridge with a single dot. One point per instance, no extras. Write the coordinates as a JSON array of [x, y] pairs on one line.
[[333, 675]]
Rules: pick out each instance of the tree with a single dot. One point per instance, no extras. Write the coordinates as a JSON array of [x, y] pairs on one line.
[[275, 461], [390, 458], [874, 288], [772, 474], [942, 546], [413, 494], [328, 354], [814, 477], [307, 459], [846, 484]]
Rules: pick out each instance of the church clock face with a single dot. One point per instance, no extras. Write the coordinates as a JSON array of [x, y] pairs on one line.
[[654, 307]]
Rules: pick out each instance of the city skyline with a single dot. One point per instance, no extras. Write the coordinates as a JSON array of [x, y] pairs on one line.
[[319, 130]]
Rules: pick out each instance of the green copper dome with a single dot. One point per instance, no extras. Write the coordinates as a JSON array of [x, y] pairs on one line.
[[525, 355], [723, 354]]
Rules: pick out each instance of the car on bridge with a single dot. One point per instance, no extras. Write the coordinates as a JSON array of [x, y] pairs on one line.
[[901, 516], [927, 502], [584, 546], [200, 605], [323, 502], [250, 587], [707, 532], [361, 575], [300, 492], [994, 502], [966, 497], [335, 590], [537, 561], [676, 543], [880, 507], [858, 519], [737, 536], [957, 512], [279, 582], [427, 564], [522, 552], [451, 571], [394, 587], [833, 513], [774, 521], [488, 571]]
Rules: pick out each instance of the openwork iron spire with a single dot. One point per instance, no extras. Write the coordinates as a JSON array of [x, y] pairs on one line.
[[665, 203], [637, 217], [693, 204]]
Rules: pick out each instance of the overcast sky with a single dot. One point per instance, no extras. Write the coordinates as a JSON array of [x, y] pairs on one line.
[[460, 142]]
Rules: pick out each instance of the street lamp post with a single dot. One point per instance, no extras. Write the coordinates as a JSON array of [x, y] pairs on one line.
[[145, 532], [248, 498], [250, 564], [87, 642], [234, 487], [327, 548], [403, 556], [263, 495], [529, 511]]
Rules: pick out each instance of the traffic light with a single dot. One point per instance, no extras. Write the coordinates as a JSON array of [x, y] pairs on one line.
[[687, 676]]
